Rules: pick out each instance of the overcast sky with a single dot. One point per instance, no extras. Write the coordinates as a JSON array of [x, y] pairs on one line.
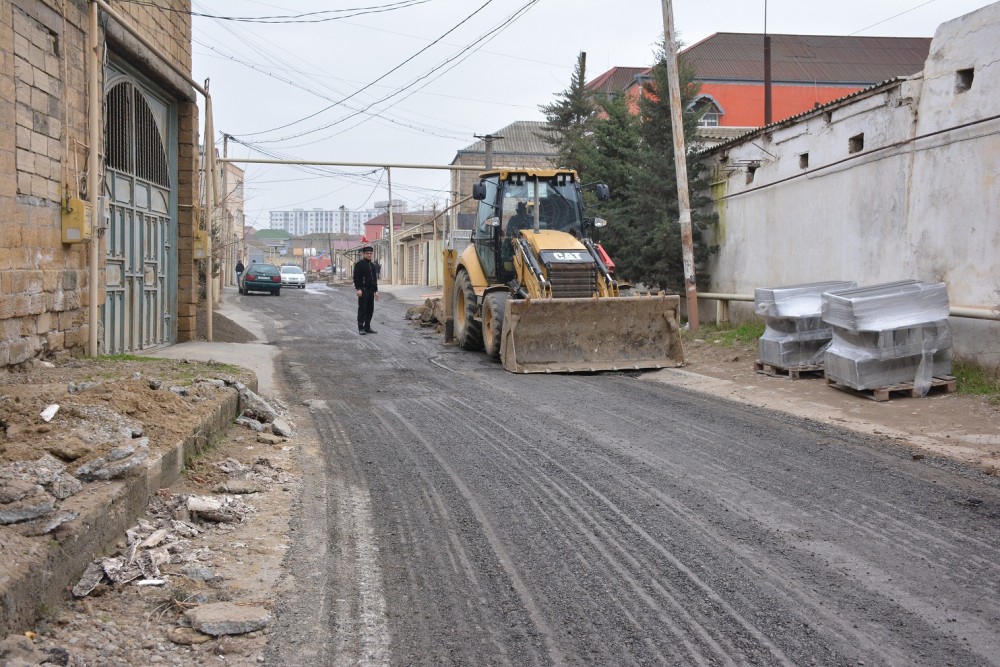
[[413, 81]]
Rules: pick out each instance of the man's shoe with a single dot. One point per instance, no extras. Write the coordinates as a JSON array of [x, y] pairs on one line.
[[370, 331], [362, 332]]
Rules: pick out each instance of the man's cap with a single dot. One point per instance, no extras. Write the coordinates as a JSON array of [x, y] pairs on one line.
[[521, 207], [368, 248]]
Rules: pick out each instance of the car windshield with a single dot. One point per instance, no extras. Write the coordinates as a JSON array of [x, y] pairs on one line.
[[264, 269], [291, 269], [558, 202]]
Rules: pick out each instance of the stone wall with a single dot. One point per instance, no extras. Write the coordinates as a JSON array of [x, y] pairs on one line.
[[44, 300]]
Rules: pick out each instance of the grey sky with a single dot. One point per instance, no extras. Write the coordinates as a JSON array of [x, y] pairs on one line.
[[401, 90]]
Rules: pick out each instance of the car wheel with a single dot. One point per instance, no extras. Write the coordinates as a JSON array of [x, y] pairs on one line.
[[277, 292]]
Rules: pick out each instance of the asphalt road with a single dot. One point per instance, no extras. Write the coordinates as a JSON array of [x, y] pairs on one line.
[[457, 514]]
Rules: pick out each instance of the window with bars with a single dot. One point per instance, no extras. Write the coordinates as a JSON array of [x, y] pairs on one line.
[[133, 139]]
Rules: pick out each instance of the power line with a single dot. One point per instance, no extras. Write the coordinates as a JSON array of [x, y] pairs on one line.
[[290, 18], [467, 51]]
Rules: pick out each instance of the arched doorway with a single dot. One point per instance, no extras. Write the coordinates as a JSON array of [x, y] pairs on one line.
[[141, 236]]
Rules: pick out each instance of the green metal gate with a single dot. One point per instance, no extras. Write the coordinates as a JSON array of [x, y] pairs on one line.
[[140, 240]]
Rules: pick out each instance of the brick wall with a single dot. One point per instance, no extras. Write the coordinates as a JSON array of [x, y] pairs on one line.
[[44, 305]]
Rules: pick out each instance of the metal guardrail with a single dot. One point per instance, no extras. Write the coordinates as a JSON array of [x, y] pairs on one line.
[[722, 307]]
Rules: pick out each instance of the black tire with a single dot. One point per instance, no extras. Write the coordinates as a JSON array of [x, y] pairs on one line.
[[494, 305], [276, 292], [468, 332]]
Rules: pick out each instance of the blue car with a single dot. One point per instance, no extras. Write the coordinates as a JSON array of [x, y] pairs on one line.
[[261, 278]]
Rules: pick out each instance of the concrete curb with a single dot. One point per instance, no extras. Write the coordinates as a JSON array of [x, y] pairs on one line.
[[106, 511]]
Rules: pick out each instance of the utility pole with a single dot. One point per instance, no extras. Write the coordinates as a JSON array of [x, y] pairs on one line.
[[225, 272], [392, 230], [680, 165], [488, 140], [767, 70], [343, 215]]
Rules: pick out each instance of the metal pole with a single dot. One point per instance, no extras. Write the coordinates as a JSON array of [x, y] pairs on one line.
[[680, 164], [767, 70], [93, 178], [392, 231], [209, 208], [226, 226], [343, 216]]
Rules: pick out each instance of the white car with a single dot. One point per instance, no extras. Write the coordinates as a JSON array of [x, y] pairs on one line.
[[292, 276]]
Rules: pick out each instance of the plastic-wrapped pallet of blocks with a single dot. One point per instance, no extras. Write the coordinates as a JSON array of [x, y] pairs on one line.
[[888, 334], [795, 334]]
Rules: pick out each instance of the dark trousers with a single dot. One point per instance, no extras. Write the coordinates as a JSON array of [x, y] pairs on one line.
[[366, 308]]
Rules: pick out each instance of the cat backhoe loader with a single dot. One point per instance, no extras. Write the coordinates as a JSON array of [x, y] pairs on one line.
[[536, 292]]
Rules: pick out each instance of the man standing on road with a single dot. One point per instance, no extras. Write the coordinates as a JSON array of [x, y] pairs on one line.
[[239, 270], [366, 284]]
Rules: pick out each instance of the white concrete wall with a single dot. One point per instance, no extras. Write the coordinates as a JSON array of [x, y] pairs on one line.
[[919, 201]]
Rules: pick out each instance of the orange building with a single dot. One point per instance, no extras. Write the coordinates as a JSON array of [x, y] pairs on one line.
[[806, 71]]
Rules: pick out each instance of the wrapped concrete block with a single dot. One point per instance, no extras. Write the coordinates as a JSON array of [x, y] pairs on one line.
[[869, 373], [795, 334], [894, 305], [888, 334], [795, 301], [892, 343]]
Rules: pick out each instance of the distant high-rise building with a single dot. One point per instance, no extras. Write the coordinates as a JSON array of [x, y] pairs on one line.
[[299, 222]]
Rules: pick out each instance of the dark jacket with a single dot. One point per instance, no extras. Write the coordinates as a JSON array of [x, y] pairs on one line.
[[365, 276], [239, 267]]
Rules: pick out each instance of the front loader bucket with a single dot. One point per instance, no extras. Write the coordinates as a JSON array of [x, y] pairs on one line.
[[606, 334]]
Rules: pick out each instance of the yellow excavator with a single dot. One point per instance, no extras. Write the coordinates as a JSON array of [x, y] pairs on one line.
[[536, 292]]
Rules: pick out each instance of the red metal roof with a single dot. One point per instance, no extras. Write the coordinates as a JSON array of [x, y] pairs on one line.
[[812, 59]]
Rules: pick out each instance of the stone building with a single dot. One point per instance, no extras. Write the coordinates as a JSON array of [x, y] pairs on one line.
[[146, 287], [520, 144]]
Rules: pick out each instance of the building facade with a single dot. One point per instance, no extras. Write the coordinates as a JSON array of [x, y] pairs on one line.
[[299, 221], [894, 182], [806, 71], [144, 282]]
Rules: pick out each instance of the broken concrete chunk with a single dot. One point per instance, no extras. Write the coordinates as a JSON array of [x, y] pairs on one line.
[[250, 423], [65, 486], [239, 487], [269, 439], [255, 406], [281, 427], [48, 523], [12, 490], [92, 576], [35, 504], [154, 539], [125, 458], [196, 572], [226, 618]]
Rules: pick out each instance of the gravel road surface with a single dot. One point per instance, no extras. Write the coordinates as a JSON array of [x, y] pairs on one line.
[[455, 513]]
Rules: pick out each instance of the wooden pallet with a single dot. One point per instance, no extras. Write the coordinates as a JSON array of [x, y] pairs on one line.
[[943, 382], [792, 372]]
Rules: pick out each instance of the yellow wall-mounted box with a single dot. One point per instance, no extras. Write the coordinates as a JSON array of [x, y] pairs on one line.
[[77, 220], [200, 244]]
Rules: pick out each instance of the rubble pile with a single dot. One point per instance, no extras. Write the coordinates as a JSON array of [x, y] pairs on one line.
[[888, 334], [160, 548], [795, 334], [98, 444], [430, 314]]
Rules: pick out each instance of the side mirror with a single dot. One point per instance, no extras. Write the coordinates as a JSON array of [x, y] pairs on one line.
[[600, 222], [479, 191], [603, 192]]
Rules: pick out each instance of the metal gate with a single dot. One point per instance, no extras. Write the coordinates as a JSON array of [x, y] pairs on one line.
[[140, 242]]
